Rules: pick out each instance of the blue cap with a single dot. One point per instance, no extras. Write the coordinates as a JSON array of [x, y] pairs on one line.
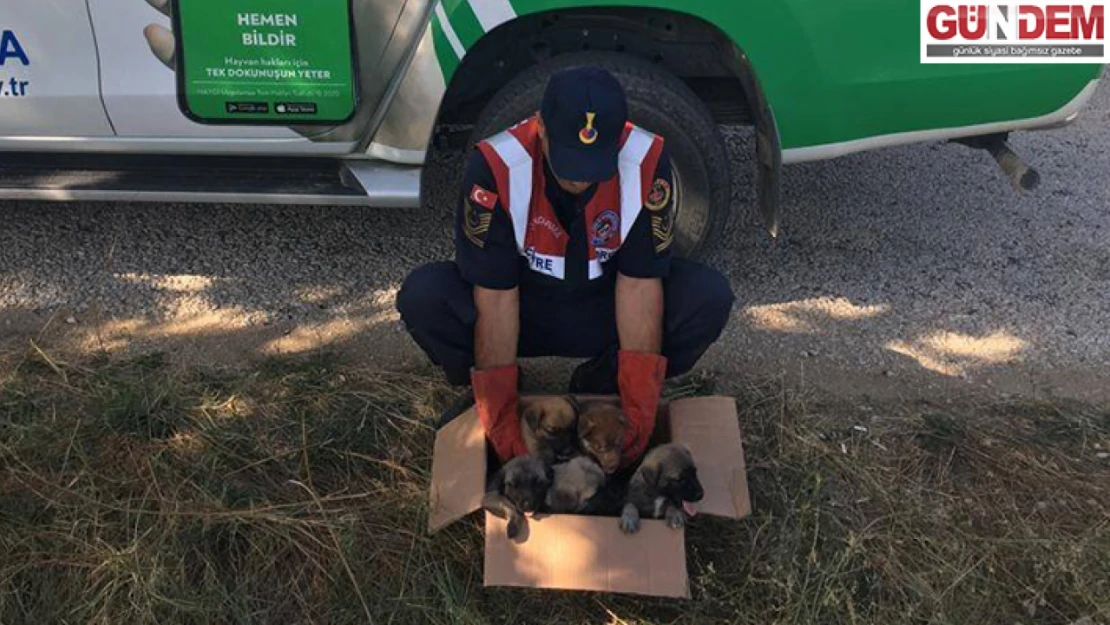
[[584, 111]]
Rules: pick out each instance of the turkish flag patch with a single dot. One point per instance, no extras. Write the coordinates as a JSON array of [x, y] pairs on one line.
[[482, 197]]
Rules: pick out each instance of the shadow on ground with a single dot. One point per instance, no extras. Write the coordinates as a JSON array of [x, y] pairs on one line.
[[900, 272]]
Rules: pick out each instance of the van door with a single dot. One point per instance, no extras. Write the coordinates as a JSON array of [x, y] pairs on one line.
[[48, 72]]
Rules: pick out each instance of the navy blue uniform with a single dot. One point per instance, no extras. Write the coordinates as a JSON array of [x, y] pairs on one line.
[[574, 317], [495, 262]]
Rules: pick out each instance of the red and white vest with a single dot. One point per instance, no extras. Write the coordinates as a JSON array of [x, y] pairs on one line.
[[516, 158]]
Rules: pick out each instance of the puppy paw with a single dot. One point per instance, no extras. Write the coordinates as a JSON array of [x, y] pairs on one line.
[[630, 520], [676, 518], [516, 523]]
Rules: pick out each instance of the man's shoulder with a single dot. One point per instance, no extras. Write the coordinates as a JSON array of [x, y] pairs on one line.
[[663, 165], [664, 153], [652, 134], [477, 170], [479, 188]]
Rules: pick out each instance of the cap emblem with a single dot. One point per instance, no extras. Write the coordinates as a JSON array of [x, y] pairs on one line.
[[588, 134]]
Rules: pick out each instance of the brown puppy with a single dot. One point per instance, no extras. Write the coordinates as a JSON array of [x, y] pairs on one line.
[[601, 427], [665, 486], [517, 487], [547, 426]]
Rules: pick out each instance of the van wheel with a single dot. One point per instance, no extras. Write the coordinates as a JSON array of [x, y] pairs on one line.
[[657, 101]]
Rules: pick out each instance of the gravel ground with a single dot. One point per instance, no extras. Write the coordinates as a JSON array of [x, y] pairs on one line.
[[901, 272]]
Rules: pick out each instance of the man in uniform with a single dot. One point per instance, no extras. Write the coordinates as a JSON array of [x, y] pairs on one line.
[[563, 237]]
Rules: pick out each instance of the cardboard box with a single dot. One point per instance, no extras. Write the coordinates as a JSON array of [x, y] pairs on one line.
[[573, 552]]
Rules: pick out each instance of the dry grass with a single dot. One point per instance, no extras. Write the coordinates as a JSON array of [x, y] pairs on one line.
[[136, 492]]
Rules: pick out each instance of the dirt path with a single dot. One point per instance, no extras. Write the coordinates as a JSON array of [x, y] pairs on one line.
[[901, 273]]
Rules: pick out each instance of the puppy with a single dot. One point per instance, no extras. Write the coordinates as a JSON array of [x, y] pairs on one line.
[[601, 433], [547, 426], [576, 484], [665, 486], [519, 486]]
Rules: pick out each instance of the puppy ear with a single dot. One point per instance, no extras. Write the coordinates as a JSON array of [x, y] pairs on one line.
[[585, 426], [574, 404], [528, 413], [651, 475], [685, 451], [596, 470], [499, 480], [532, 418]]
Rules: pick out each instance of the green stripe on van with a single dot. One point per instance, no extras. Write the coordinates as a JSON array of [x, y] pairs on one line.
[[448, 62], [464, 21]]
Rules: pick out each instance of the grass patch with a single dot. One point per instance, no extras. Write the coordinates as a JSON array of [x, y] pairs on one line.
[[140, 492]]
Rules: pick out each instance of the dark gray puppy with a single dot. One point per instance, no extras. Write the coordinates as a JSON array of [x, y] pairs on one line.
[[519, 486], [665, 486]]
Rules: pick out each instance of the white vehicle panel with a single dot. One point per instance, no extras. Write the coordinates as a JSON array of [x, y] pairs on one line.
[[140, 94], [48, 71]]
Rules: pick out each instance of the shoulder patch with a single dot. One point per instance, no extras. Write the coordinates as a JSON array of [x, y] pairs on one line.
[[659, 195], [476, 222], [662, 214], [662, 231], [483, 197]]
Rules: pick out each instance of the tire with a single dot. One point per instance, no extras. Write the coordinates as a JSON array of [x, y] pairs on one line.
[[657, 101]]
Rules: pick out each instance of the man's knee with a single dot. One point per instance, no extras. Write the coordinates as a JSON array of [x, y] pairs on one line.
[[438, 313], [702, 293], [699, 304], [425, 291], [717, 298]]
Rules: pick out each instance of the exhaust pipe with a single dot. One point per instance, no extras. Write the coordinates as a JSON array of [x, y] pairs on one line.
[[1021, 174]]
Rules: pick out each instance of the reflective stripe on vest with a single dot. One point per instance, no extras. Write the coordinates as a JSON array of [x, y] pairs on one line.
[[511, 159], [632, 179], [519, 165]]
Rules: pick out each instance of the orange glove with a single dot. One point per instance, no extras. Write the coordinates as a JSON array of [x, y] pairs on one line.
[[495, 398], [640, 380]]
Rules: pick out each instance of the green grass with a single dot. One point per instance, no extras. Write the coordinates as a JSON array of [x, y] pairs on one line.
[[294, 492]]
